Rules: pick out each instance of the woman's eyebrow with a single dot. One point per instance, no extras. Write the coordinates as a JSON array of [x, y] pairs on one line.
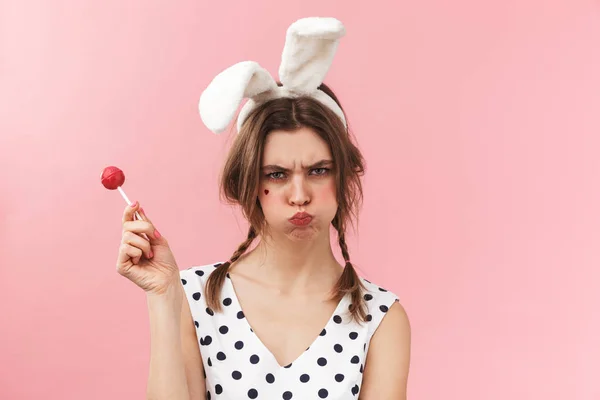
[[318, 164]]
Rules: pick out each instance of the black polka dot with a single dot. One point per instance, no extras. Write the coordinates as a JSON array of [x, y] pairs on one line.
[[227, 275], [368, 281], [217, 265], [349, 349], [208, 395]]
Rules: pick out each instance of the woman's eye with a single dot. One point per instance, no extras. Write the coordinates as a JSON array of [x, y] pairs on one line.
[[325, 170], [275, 177], [270, 176]]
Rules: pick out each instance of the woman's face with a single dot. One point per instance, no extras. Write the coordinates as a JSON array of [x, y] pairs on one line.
[[297, 175]]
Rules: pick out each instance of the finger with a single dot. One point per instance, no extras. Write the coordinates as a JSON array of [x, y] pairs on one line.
[[140, 242], [144, 216], [128, 214], [147, 228], [155, 237], [141, 227], [126, 253]]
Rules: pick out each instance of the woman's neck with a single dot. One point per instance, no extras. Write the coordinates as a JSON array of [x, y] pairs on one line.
[[293, 266]]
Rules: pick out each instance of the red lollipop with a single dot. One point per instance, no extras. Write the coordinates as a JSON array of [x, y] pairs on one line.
[[113, 178]]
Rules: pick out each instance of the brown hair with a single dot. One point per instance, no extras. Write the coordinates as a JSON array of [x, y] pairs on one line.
[[240, 178]]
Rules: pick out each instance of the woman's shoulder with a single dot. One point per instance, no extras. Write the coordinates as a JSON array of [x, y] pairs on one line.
[[198, 273], [378, 300], [375, 290]]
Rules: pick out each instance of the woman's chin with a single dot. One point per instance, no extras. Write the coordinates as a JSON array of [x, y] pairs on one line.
[[302, 232]]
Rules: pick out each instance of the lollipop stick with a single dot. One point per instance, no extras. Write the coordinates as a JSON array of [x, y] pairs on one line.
[[138, 216]]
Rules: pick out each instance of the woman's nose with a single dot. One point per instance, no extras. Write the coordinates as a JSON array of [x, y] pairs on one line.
[[299, 191]]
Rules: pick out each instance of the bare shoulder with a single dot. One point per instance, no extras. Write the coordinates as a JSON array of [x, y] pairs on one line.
[[388, 359]]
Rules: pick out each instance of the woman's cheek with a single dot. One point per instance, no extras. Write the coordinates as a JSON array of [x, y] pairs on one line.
[[328, 191], [265, 194]]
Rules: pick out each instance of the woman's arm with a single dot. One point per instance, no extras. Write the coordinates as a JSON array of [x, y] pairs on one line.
[[166, 378], [194, 369], [386, 368]]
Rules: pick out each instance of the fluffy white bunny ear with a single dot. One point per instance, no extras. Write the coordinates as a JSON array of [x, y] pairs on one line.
[[310, 46], [221, 99]]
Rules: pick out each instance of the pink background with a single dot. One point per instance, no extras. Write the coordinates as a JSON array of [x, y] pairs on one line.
[[480, 125]]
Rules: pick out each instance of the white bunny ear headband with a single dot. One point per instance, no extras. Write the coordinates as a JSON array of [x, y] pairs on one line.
[[309, 48]]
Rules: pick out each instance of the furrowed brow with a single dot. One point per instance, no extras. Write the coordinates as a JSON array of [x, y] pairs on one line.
[[318, 164]]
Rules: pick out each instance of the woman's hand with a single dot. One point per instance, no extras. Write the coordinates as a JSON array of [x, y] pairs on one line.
[[149, 263]]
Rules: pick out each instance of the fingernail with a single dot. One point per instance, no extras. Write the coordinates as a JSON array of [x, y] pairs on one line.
[[151, 254], [156, 234], [134, 204]]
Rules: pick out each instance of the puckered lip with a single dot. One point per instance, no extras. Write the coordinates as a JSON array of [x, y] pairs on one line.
[[301, 215]]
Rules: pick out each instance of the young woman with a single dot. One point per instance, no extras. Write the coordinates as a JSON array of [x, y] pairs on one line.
[[283, 320]]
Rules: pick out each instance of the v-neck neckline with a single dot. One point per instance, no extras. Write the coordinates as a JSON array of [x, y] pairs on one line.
[[262, 344]]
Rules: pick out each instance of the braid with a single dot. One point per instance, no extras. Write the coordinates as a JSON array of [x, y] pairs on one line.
[[349, 282], [215, 281], [343, 246]]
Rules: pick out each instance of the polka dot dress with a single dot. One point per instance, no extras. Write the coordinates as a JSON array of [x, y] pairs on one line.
[[238, 366]]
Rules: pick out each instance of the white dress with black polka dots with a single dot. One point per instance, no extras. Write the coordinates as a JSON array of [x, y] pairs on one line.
[[238, 366]]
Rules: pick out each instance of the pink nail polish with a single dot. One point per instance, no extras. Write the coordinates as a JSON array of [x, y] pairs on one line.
[[151, 254], [156, 234], [133, 204]]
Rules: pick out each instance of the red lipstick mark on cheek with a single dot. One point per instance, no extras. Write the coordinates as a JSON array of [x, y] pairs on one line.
[[266, 191]]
